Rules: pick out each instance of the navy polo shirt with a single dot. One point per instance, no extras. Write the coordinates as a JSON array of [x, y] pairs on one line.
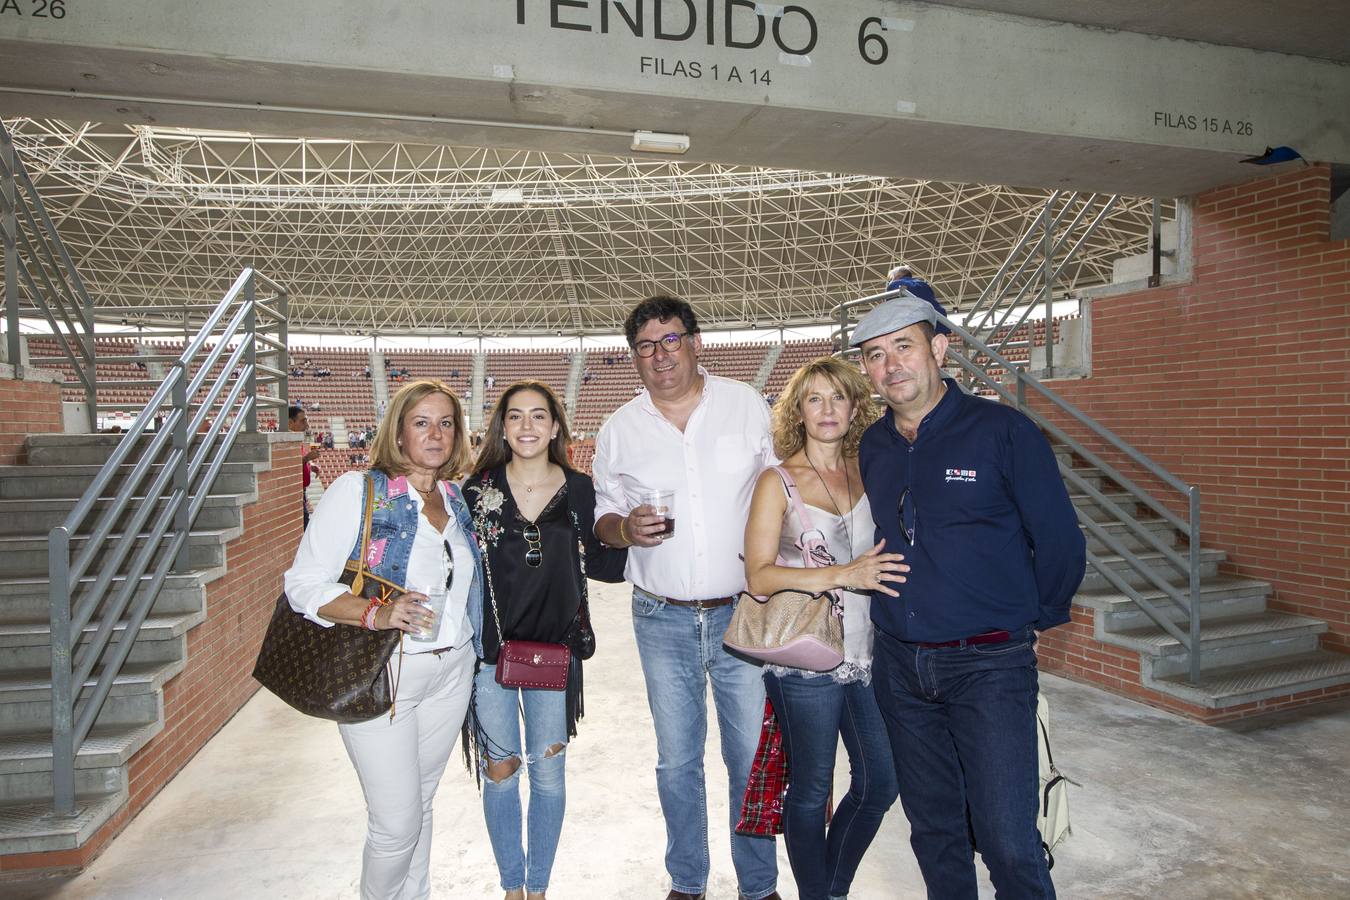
[[997, 545]]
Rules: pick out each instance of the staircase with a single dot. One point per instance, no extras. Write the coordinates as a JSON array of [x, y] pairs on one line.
[[766, 367], [34, 498], [1249, 653]]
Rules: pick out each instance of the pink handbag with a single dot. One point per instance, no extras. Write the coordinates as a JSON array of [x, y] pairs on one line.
[[799, 629]]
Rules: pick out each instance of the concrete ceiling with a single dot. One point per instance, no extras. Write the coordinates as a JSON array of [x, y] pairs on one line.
[[1316, 28]]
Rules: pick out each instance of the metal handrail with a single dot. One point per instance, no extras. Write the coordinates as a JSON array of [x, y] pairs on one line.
[[36, 261], [1004, 306], [180, 442], [978, 359]]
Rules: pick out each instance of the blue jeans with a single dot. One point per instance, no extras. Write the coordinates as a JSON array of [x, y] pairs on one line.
[[545, 715], [680, 649], [814, 713], [962, 722]]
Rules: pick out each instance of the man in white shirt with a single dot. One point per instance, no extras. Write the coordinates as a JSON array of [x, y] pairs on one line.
[[706, 439]]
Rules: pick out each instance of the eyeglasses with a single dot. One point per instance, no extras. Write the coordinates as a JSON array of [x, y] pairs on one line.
[[909, 518], [449, 564], [670, 343], [534, 556]]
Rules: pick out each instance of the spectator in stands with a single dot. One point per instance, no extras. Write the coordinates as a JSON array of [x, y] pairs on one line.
[[328, 440], [585, 376], [298, 422], [970, 492], [365, 371], [534, 515], [902, 276], [491, 381], [825, 407], [704, 438], [424, 537]]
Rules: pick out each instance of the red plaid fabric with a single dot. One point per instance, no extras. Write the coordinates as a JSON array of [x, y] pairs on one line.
[[762, 808]]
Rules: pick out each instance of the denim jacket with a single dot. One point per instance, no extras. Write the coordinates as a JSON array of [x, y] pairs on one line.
[[392, 528]]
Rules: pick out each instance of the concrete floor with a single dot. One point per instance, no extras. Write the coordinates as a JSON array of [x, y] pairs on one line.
[[1166, 807]]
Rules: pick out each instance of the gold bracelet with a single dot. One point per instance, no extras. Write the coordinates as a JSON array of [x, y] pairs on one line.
[[623, 533]]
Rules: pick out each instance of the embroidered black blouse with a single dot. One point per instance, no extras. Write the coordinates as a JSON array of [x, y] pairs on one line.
[[537, 603]]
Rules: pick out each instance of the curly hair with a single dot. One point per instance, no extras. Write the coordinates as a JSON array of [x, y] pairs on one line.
[[663, 308], [789, 435]]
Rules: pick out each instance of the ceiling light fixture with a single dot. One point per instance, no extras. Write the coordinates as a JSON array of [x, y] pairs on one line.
[[659, 142]]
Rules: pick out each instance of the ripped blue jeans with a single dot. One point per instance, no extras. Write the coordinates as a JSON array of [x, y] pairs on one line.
[[498, 711]]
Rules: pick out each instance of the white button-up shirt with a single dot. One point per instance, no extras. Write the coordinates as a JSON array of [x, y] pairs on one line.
[[711, 466], [334, 529]]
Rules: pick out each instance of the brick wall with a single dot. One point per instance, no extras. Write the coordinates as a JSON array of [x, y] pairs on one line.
[[217, 680], [1239, 382], [30, 404]]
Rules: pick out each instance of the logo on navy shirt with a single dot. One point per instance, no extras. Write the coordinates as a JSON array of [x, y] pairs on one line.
[[960, 475]]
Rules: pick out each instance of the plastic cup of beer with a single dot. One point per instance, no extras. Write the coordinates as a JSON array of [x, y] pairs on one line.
[[663, 504], [435, 601]]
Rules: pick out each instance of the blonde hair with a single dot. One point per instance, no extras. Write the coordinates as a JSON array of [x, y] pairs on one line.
[[385, 453], [789, 435]]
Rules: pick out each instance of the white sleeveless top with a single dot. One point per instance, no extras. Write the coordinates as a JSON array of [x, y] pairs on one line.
[[857, 664]]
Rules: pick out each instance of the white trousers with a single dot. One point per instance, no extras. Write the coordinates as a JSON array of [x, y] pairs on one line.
[[400, 763]]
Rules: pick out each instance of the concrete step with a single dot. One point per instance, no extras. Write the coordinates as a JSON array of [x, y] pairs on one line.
[[154, 628], [28, 826], [26, 761], [135, 697], [1089, 505], [1227, 686], [1221, 597], [1241, 640], [106, 745], [40, 515], [94, 449], [1094, 580], [26, 555], [1161, 529], [24, 600], [22, 482], [160, 640]]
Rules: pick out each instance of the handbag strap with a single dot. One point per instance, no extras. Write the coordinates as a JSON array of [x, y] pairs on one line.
[[358, 580], [803, 517]]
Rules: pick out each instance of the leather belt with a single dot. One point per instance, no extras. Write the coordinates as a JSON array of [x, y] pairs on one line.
[[989, 637], [693, 604]]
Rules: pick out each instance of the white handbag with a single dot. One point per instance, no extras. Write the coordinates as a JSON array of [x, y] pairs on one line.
[[1052, 814]]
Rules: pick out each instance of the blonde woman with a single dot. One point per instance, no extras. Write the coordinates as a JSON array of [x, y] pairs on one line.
[[421, 537], [816, 426]]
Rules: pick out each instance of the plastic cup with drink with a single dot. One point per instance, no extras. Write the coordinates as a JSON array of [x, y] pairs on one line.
[[662, 504], [436, 595]]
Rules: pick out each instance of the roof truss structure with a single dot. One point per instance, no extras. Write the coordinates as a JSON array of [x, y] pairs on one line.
[[396, 238]]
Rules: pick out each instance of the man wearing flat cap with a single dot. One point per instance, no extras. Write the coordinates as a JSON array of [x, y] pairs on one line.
[[969, 491]]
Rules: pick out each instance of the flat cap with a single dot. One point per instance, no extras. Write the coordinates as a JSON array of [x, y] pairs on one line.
[[893, 315]]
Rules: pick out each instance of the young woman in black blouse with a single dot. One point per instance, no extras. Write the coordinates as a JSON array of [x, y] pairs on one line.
[[535, 517]]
